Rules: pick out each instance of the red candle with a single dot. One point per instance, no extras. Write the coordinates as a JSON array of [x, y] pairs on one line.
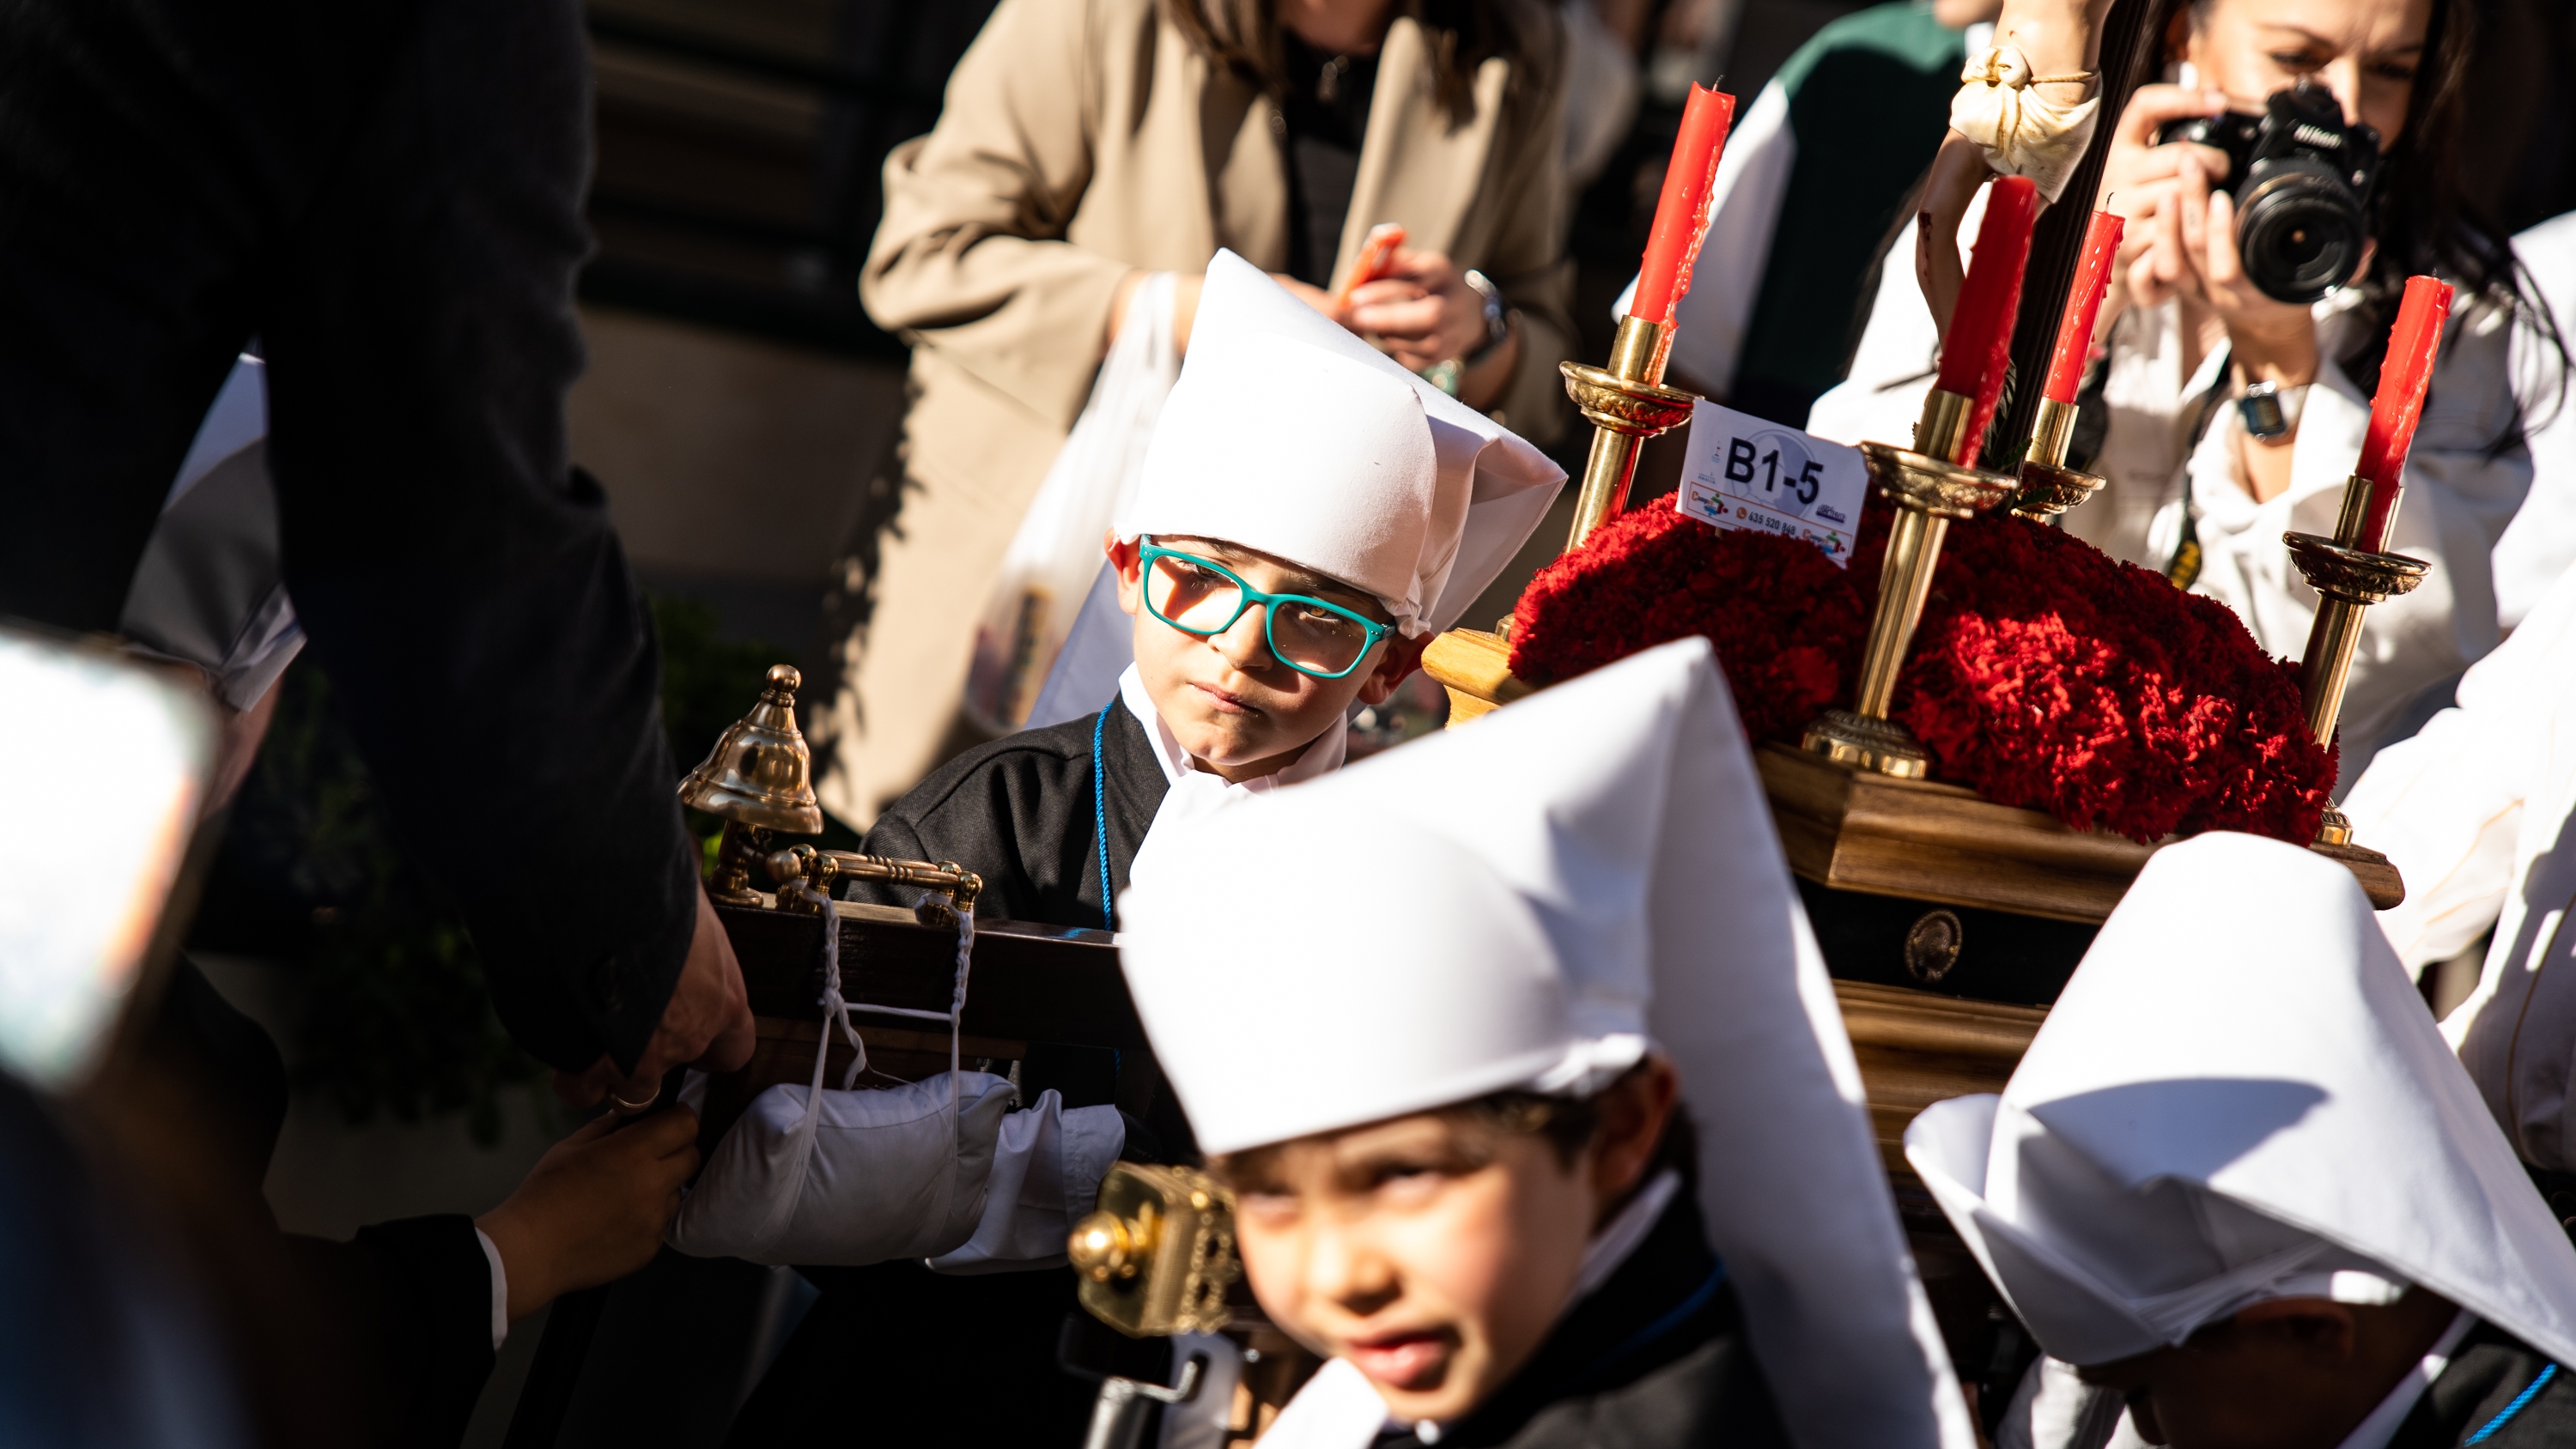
[[1979, 344], [1681, 217], [2399, 404], [2083, 308]]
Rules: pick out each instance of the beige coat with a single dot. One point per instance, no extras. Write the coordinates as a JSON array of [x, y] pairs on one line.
[[1082, 140]]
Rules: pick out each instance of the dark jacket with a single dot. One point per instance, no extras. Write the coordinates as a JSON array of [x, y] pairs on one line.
[[1021, 813], [2489, 1390], [1655, 1358], [388, 196]]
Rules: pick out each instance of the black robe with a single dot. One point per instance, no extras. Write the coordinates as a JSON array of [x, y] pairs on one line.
[[1655, 1358], [2483, 1391], [1021, 813]]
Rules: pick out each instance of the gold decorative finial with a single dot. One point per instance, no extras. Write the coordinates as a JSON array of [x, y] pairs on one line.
[[760, 772], [758, 780]]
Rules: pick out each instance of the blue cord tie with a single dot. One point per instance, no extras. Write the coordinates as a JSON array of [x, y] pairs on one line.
[[1681, 1313], [1100, 815], [2520, 1401]]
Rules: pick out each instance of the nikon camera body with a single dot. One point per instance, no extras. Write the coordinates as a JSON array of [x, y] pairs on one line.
[[2301, 177]]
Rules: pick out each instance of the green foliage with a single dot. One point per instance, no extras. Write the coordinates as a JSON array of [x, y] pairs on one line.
[[395, 1017]]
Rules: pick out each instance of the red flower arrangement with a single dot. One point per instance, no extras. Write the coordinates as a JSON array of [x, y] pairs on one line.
[[2044, 674]]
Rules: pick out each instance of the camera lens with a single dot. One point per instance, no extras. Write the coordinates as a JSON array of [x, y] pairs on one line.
[[2300, 231]]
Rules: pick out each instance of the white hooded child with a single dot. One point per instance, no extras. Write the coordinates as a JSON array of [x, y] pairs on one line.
[[2240, 1181], [1431, 1019], [1310, 513]]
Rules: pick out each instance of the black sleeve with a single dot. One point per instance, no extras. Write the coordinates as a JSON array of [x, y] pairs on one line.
[[388, 196], [417, 1294], [1022, 813]]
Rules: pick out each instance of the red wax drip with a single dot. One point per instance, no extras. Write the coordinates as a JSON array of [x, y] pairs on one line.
[[1681, 216], [2399, 405], [1979, 345], [2083, 307]]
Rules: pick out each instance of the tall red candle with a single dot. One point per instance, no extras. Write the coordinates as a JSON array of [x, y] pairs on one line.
[[2083, 307], [1979, 344], [2399, 404], [1681, 216]]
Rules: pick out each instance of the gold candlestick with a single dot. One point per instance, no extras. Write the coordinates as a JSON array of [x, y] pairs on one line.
[[2048, 486], [1929, 490], [1626, 403], [2347, 580]]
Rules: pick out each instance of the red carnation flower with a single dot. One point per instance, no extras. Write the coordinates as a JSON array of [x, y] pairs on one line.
[[2044, 674]]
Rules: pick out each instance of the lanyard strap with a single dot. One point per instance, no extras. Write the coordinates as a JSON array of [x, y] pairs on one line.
[[1100, 816]]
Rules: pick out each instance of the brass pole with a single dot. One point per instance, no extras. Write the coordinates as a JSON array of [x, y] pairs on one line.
[[2347, 581], [2048, 486], [1929, 488], [1626, 404]]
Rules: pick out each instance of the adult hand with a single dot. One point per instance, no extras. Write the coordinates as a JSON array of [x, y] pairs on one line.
[[2194, 250], [707, 1024], [593, 1208], [1424, 313], [2139, 183]]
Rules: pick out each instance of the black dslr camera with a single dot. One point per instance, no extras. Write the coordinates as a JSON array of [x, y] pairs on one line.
[[2300, 177]]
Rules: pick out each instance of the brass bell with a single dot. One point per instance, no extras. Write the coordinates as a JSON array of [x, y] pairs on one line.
[[758, 780], [760, 772]]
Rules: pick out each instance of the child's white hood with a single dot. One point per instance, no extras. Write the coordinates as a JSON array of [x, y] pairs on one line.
[[1289, 435]]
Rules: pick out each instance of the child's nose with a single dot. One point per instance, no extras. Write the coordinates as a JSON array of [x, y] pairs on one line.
[[1246, 644], [1343, 1269]]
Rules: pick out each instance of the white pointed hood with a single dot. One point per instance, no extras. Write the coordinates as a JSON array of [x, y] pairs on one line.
[[1289, 435], [1527, 902], [2240, 1096]]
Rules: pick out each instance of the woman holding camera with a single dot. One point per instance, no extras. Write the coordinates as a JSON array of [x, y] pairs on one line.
[[2223, 415]]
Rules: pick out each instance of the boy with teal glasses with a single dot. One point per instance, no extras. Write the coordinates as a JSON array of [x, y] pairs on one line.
[[1310, 514]]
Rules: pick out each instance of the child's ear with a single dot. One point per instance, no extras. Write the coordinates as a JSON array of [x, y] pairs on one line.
[[1402, 657], [1128, 560], [1633, 1114]]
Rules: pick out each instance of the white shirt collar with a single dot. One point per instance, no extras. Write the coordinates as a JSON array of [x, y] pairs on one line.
[[2375, 1431]]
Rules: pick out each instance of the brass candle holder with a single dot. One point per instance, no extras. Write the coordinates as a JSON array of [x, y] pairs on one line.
[[2347, 580], [1626, 403], [2048, 486], [1929, 490]]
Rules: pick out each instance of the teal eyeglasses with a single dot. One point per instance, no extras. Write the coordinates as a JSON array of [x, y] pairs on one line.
[[1202, 597]]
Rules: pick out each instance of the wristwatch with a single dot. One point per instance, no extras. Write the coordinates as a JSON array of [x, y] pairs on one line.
[[2270, 410], [1498, 320]]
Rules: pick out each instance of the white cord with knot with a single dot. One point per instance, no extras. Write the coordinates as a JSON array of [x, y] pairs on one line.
[[836, 1012], [2024, 133]]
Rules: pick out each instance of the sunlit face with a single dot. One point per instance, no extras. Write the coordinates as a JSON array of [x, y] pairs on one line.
[[2366, 52], [1229, 701], [1431, 1253]]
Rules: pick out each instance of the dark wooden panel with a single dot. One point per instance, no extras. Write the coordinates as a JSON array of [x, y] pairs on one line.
[[1028, 982]]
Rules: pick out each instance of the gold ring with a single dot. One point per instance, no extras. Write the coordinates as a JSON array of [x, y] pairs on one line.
[[619, 1101]]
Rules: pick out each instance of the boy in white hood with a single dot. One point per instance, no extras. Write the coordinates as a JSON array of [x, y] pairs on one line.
[[1443, 1092], [2242, 1184], [1310, 514]]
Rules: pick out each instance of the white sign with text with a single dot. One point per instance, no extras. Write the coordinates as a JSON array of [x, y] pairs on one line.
[[1745, 472]]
